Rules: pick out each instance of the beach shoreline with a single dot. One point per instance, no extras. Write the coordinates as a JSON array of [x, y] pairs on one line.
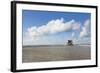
[[47, 53]]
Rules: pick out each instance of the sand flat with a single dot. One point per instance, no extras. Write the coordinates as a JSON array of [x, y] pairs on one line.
[[55, 53]]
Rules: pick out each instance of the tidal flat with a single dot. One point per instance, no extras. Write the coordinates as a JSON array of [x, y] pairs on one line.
[[45, 53]]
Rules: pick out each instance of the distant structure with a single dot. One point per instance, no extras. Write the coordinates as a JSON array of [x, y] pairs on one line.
[[70, 42]]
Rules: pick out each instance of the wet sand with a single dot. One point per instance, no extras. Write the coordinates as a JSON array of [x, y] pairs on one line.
[[55, 53]]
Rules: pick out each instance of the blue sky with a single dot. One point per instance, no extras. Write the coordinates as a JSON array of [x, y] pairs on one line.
[[50, 27]]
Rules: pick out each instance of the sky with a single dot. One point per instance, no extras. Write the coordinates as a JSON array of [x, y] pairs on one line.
[[54, 28]]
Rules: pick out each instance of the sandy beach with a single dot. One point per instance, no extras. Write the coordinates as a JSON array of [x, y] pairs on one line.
[[44, 53]]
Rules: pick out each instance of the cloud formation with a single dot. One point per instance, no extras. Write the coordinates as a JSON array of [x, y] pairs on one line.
[[85, 29], [73, 34], [39, 34], [53, 27]]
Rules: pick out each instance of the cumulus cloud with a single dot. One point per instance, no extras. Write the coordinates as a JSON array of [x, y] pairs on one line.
[[53, 27], [85, 29]]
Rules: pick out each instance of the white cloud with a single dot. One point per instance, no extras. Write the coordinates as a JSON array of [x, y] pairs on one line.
[[39, 34], [85, 29], [53, 27], [73, 34], [76, 26]]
